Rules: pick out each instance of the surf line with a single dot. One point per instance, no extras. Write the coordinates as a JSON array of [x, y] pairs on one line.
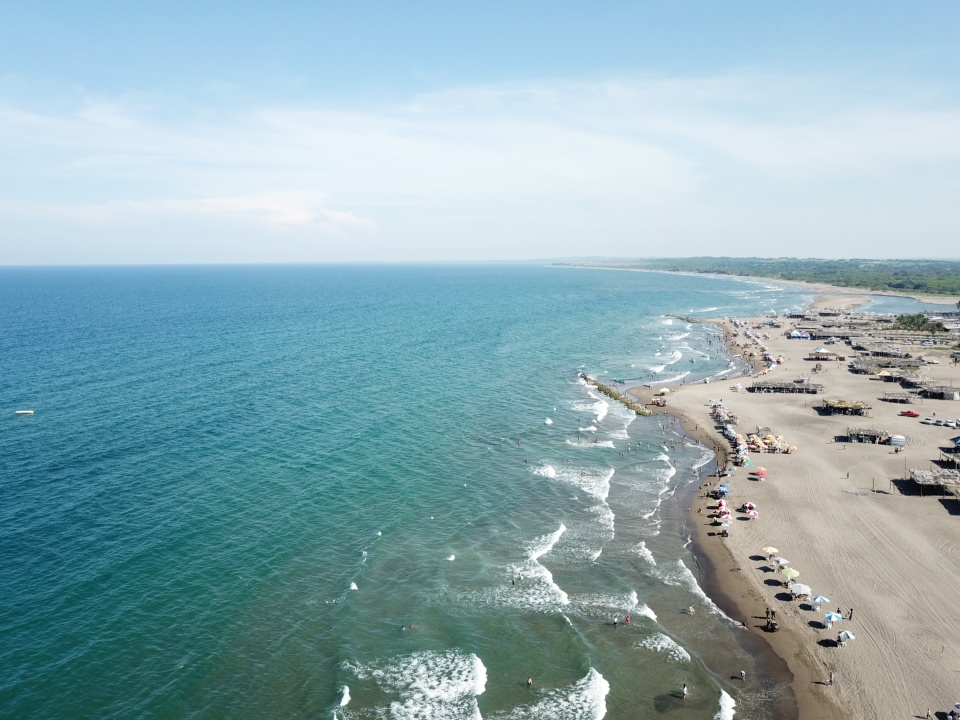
[[619, 397]]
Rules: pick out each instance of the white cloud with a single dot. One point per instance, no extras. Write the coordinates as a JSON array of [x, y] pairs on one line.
[[636, 165]]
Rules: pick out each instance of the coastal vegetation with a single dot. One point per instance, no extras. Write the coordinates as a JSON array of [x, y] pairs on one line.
[[933, 277], [920, 323]]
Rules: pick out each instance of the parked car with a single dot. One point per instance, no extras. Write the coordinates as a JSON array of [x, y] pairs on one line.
[[928, 343], [950, 423], [910, 413], [939, 422], [927, 421]]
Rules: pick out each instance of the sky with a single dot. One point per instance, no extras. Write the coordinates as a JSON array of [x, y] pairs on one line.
[[242, 132]]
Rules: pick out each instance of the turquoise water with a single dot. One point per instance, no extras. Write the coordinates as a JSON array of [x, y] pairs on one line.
[[240, 482]]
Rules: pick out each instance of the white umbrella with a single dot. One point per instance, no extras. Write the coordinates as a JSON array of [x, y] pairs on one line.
[[781, 561], [800, 589]]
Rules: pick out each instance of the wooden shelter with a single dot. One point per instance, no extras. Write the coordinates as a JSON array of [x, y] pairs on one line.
[[770, 386], [943, 479], [941, 392], [866, 435], [846, 407]]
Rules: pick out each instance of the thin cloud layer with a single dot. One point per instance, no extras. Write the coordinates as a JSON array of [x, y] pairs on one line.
[[738, 164]]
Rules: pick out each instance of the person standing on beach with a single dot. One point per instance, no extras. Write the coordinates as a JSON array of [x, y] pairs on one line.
[[743, 675], [683, 691], [850, 614], [830, 681]]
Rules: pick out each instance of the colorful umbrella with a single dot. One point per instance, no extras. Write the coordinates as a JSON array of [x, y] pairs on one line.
[[761, 473], [750, 506], [820, 600], [846, 635], [790, 572], [832, 617], [770, 550], [753, 513]]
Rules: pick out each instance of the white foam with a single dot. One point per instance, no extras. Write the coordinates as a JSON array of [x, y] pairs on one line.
[[678, 376], [657, 368], [547, 471], [681, 576], [727, 705], [664, 644], [584, 443], [585, 700], [353, 586], [452, 558], [544, 544], [668, 321], [644, 552], [677, 355], [436, 685], [548, 421], [344, 696], [592, 428]]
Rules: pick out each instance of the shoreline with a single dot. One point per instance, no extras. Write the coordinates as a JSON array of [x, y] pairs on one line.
[[818, 289], [858, 532]]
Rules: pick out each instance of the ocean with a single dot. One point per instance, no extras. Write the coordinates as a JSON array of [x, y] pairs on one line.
[[357, 492]]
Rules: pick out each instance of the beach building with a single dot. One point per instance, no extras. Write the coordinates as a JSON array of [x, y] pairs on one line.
[[940, 392], [867, 435], [797, 386], [845, 407]]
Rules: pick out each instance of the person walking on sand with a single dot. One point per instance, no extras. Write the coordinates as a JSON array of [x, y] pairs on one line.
[[683, 691], [850, 614], [830, 681], [743, 675]]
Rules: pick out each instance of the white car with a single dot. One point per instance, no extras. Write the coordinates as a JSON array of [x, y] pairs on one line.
[[950, 423], [939, 422], [928, 343], [927, 421]]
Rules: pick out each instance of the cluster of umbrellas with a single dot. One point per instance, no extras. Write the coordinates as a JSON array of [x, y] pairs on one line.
[[739, 444], [769, 443], [723, 505], [800, 590], [722, 414]]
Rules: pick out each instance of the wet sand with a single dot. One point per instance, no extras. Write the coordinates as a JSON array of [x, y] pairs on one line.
[[856, 536]]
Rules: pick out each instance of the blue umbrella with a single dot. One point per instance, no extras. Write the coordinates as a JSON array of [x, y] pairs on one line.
[[832, 617], [820, 600], [723, 486]]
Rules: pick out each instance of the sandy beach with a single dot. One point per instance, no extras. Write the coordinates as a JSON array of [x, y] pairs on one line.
[[858, 535]]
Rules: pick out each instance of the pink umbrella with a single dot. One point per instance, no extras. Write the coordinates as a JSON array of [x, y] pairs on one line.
[[761, 473], [750, 506], [753, 513]]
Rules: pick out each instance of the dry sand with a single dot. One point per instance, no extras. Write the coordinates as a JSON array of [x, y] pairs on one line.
[[856, 537]]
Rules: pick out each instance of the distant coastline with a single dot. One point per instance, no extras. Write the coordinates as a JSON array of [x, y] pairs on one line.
[[947, 293]]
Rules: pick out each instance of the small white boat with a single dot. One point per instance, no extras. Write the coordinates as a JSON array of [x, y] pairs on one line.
[[23, 412]]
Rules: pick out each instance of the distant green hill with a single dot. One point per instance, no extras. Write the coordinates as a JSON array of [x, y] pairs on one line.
[[934, 277]]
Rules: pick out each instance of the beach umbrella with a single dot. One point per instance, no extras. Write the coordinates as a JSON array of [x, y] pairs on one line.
[[820, 600], [790, 572], [761, 473], [753, 513], [846, 635], [770, 551], [798, 589], [761, 469], [781, 561], [750, 506], [832, 617]]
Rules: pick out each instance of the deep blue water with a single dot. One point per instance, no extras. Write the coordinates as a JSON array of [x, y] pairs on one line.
[[219, 454]]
